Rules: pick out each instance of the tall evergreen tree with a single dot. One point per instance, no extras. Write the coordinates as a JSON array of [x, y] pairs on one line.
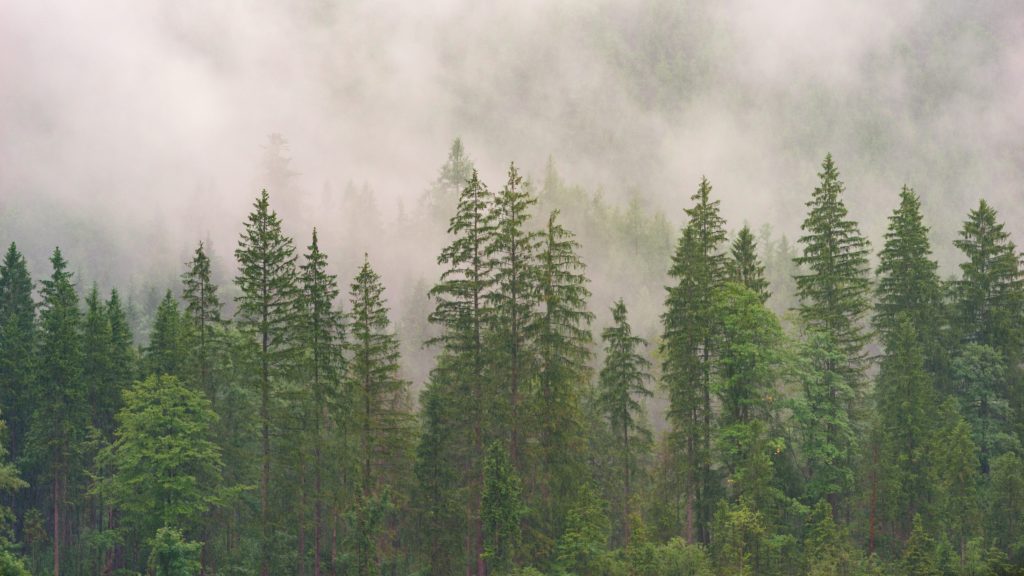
[[502, 508], [321, 335], [202, 315], [266, 307], [512, 252], [919, 557], [562, 336], [834, 299], [123, 354], [166, 351], [17, 347], [97, 362], [698, 269], [381, 398], [958, 478], [745, 267], [60, 416], [462, 311], [908, 283], [906, 405], [621, 389]]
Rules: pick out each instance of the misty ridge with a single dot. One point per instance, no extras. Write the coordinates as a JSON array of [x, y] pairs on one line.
[[512, 288]]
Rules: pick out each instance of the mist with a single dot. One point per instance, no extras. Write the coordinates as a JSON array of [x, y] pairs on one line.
[[129, 131]]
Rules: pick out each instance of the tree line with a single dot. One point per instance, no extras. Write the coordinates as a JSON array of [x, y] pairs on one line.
[[875, 430]]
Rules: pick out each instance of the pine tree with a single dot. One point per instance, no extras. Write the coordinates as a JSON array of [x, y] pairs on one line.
[[906, 404], [462, 311], [621, 389], [320, 335], [562, 335], [166, 351], [908, 283], [745, 268], [202, 316], [381, 398], [512, 252], [59, 419], [266, 308], [17, 347], [834, 299], [698, 269]]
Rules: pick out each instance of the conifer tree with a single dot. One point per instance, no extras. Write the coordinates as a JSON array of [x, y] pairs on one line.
[[97, 363], [979, 382], [381, 404], [834, 299], [908, 283], [990, 295], [698, 269], [320, 335], [621, 389], [123, 354], [10, 481], [562, 336], [444, 194], [166, 351], [919, 555], [745, 267], [1005, 523], [462, 312], [17, 347], [202, 315], [502, 509], [266, 307], [512, 252], [60, 418], [958, 478], [906, 404]]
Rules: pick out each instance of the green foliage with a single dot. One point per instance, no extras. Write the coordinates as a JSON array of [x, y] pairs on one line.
[[1006, 505], [979, 378], [17, 346], [166, 351], [738, 532], [11, 565], [745, 267], [584, 544], [10, 481], [502, 509], [201, 319], [172, 555], [919, 555], [163, 432]]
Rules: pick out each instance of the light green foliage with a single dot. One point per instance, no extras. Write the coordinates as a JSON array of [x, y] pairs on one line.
[[162, 433], [1006, 504], [584, 544], [738, 533], [919, 554], [172, 555], [10, 481]]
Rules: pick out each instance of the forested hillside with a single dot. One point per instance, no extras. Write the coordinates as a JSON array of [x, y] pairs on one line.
[[573, 389]]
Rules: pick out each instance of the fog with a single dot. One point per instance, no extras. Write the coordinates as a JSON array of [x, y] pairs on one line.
[[131, 130]]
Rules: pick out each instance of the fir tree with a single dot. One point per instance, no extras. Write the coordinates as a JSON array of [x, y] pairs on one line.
[[908, 283], [97, 363], [562, 336], [512, 252], [123, 354], [462, 312], [202, 315], [621, 389], [745, 268], [381, 400], [166, 351], [266, 308], [60, 417], [17, 347], [698, 269], [834, 299], [321, 335]]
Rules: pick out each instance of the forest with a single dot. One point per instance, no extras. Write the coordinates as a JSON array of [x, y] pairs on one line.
[[830, 407]]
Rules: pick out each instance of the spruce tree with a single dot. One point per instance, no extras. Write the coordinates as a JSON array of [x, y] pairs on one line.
[[919, 555], [266, 309], [908, 283], [562, 334], [123, 354], [166, 351], [745, 267], [622, 386], [60, 417], [381, 406], [906, 405], [834, 299], [957, 461], [97, 363], [513, 302], [320, 335], [202, 315], [687, 346], [17, 347], [462, 312]]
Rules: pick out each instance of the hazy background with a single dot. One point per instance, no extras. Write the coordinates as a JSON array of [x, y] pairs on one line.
[[130, 130]]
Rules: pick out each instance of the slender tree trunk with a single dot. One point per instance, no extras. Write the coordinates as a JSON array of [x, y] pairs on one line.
[[56, 524], [302, 518], [874, 500]]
